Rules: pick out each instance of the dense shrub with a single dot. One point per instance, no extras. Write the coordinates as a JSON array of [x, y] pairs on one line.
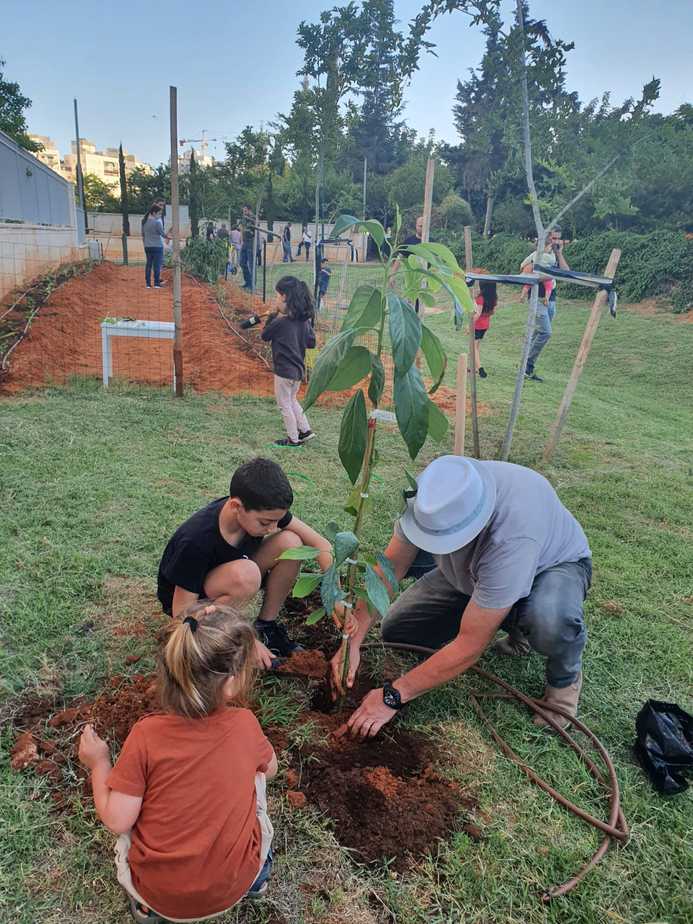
[[659, 263], [205, 259]]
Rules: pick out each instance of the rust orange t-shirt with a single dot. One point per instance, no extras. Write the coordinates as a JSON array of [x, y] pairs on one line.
[[196, 844]]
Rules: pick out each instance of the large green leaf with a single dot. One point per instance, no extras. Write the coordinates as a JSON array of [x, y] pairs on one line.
[[306, 584], [300, 553], [388, 572], [435, 356], [342, 224], [360, 311], [437, 255], [330, 591], [315, 616], [354, 367], [345, 544], [353, 434], [377, 382], [437, 422], [405, 331], [411, 409], [329, 360], [376, 231], [377, 592]]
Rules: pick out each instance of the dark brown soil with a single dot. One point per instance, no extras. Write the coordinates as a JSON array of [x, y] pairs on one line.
[[385, 795]]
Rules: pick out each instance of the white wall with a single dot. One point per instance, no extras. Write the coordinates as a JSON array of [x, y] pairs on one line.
[[27, 251]]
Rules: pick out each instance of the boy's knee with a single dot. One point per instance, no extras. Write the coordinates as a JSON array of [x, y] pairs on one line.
[[248, 578], [287, 540]]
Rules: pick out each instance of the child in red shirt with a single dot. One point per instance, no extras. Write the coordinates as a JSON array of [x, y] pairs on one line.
[[486, 302], [187, 793]]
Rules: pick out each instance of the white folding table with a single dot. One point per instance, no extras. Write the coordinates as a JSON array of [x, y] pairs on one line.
[[150, 330]]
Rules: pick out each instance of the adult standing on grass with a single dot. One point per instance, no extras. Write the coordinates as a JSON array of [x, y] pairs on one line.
[[153, 237], [551, 257], [307, 241], [236, 242], [247, 247], [286, 244], [508, 556]]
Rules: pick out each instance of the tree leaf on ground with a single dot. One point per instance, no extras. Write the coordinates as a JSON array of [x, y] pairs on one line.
[[305, 585], [355, 366], [436, 359], [437, 423], [377, 592], [376, 386], [345, 544], [353, 434], [405, 332], [315, 616], [411, 409], [300, 553], [328, 361]]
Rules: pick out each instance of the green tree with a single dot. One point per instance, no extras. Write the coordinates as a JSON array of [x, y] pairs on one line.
[[194, 198], [99, 196], [13, 104]]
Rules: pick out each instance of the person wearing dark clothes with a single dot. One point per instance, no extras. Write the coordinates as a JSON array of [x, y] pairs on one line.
[[209, 232], [323, 280], [307, 241], [223, 233], [414, 239], [286, 244], [229, 549], [247, 248], [486, 302], [291, 333], [153, 236]]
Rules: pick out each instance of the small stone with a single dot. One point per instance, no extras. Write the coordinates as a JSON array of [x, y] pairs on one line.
[[296, 799]]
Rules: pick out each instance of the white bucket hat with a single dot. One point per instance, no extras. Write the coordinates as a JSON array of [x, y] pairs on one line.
[[454, 501]]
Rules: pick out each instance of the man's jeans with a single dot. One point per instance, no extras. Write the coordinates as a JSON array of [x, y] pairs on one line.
[[155, 260], [541, 335], [246, 266], [286, 249], [551, 618]]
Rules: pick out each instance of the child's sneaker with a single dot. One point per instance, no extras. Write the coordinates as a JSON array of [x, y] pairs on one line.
[[305, 435], [482, 373], [275, 637], [144, 917], [287, 442]]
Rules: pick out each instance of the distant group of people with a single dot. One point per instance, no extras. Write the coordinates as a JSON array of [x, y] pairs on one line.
[[304, 243]]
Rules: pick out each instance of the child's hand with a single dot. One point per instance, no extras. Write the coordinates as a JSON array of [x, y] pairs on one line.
[[92, 749]]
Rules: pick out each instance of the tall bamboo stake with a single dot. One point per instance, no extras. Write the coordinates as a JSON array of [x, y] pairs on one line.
[[580, 359], [468, 263], [177, 281]]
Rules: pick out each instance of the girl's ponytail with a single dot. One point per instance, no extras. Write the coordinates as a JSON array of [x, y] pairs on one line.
[[299, 300], [201, 652]]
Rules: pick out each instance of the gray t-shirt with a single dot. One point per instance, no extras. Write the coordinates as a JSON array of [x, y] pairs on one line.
[[529, 531], [153, 232]]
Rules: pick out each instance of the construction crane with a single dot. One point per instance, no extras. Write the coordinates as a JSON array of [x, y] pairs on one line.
[[203, 141]]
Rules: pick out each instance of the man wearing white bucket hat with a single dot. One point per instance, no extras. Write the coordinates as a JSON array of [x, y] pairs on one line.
[[508, 555]]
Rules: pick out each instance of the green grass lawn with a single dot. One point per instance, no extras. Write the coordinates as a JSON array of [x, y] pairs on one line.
[[92, 485]]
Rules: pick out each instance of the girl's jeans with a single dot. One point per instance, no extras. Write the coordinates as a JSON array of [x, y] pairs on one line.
[[155, 260], [285, 391]]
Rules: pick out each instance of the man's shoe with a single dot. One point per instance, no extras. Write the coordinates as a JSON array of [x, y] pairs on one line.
[[512, 646], [483, 374], [274, 636], [305, 435], [565, 697], [287, 442], [533, 377]]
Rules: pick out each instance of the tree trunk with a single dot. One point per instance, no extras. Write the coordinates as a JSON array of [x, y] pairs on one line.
[[490, 200]]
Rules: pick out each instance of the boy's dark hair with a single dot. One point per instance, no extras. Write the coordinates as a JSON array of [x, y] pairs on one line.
[[261, 485], [299, 301]]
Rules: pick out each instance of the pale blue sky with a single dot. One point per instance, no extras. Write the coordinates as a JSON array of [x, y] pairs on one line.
[[234, 63]]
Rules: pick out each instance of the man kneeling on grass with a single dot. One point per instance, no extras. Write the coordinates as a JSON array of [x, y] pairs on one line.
[[508, 555], [229, 549]]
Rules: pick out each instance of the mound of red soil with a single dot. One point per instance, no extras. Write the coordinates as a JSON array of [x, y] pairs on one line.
[[312, 664]]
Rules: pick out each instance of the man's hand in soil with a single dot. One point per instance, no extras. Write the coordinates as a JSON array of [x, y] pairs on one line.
[[371, 715], [354, 643], [263, 655], [92, 749]]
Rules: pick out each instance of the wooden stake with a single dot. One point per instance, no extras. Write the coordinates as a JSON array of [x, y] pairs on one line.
[[580, 359], [177, 299], [461, 404], [468, 263], [428, 200]]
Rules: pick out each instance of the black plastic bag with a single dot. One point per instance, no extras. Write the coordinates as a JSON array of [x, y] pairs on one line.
[[664, 745]]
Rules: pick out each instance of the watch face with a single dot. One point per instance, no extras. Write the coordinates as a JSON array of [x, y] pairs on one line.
[[391, 698]]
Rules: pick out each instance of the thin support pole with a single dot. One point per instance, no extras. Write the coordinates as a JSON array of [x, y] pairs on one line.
[[580, 359], [80, 175], [264, 270], [468, 263], [175, 235], [428, 200], [461, 404]]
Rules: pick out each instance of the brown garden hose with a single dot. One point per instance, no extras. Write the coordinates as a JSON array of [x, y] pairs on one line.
[[615, 828]]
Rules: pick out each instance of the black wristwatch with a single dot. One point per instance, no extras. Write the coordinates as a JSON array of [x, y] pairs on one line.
[[391, 697]]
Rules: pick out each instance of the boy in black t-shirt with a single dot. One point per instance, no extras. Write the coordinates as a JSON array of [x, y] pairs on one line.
[[225, 551]]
